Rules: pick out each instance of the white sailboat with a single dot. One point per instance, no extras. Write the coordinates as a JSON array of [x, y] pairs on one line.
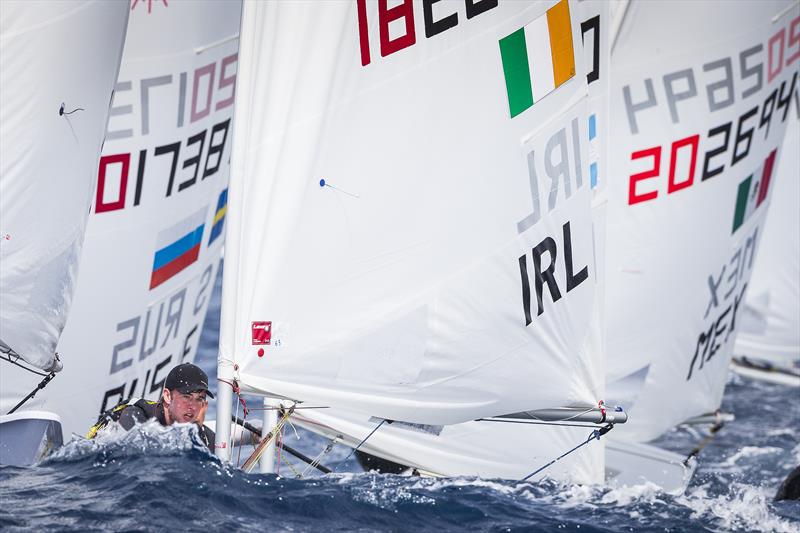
[[59, 63], [411, 228], [644, 372], [768, 342], [144, 287], [701, 124]]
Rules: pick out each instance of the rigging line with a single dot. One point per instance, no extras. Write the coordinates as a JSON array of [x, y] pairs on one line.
[[278, 442], [281, 408], [230, 440], [244, 414], [42, 384], [256, 431], [596, 434], [538, 423], [297, 474], [699, 448], [354, 450], [14, 362], [251, 461], [293, 429], [318, 458]]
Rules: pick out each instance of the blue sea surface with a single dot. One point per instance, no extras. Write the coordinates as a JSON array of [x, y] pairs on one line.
[[156, 478]]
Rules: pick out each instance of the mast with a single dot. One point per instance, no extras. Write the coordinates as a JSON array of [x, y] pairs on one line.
[[224, 398], [267, 462]]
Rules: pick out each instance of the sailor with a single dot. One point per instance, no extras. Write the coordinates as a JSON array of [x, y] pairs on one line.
[[183, 400]]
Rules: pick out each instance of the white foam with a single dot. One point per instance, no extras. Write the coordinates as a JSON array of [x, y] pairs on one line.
[[747, 452], [150, 438], [745, 507]]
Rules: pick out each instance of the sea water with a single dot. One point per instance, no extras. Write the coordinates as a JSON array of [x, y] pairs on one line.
[[156, 478]]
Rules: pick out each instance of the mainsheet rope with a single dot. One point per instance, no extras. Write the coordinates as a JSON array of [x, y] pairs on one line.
[[42, 384], [596, 434], [354, 450]]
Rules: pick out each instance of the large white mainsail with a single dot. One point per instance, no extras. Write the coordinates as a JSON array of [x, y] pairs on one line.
[[511, 449], [386, 252], [59, 63], [143, 290], [770, 325], [701, 118]]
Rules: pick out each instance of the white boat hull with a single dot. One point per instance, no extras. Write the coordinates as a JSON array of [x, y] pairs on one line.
[[766, 372], [631, 463], [28, 437]]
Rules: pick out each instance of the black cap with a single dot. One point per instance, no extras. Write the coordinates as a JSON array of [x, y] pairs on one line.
[[187, 378]]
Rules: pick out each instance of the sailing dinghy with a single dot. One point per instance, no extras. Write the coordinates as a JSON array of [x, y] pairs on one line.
[[154, 234], [700, 116], [768, 343], [410, 227], [59, 64]]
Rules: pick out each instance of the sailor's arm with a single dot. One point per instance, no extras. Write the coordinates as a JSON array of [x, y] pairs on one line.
[[131, 416]]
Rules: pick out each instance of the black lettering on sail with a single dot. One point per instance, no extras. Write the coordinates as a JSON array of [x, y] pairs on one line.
[[547, 275], [526, 288], [703, 340], [572, 279]]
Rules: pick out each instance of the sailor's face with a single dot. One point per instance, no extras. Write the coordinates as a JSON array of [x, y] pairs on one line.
[[186, 406]]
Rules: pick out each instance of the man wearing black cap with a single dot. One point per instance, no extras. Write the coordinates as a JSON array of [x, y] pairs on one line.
[[183, 400]]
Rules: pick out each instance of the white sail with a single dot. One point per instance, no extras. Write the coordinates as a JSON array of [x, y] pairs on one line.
[[385, 244], [59, 63], [510, 450], [770, 325], [701, 115], [144, 287]]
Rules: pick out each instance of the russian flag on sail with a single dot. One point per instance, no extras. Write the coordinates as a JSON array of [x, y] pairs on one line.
[[752, 192], [219, 217], [538, 58], [177, 247]]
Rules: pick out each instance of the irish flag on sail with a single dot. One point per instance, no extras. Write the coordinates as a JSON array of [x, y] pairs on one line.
[[538, 58], [752, 192]]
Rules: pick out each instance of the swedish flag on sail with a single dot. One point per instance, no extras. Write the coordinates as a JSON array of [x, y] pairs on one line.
[[219, 217], [538, 58]]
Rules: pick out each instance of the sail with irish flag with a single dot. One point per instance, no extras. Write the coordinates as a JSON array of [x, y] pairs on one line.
[[400, 247]]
